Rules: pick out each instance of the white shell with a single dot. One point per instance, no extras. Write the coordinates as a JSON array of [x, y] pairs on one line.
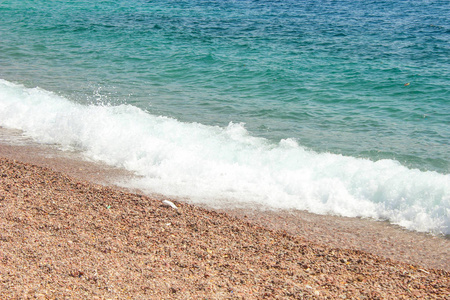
[[169, 203]]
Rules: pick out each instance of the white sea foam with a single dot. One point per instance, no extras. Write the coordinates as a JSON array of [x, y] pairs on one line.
[[227, 167]]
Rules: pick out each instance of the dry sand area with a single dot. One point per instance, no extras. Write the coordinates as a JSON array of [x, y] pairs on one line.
[[64, 237]]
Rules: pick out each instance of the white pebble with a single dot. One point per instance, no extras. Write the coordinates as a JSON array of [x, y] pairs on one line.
[[169, 203]]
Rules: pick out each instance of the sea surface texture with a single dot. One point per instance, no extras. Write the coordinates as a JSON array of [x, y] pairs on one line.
[[335, 107]]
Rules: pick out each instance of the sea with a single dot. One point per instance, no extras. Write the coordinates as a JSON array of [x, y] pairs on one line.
[[333, 107]]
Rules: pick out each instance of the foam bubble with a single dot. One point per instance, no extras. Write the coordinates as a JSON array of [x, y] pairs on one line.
[[227, 167]]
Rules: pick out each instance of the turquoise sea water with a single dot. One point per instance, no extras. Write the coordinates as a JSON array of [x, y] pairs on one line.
[[338, 107]]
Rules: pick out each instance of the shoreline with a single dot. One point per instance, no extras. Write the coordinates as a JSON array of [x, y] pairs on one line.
[[376, 237], [66, 237]]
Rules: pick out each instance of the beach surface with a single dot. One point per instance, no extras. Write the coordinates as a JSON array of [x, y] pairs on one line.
[[67, 232]]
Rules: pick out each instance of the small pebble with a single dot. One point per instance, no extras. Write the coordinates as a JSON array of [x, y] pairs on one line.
[[169, 203]]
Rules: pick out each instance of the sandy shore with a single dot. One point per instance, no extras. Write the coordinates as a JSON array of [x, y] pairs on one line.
[[378, 238], [64, 237]]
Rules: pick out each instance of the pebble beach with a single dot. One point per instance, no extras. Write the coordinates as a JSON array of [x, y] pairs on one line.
[[224, 149], [65, 237]]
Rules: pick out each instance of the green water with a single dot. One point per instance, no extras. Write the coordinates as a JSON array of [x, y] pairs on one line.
[[330, 74]]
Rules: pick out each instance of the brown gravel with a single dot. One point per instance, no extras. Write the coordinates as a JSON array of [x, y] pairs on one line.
[[65, 238], [379, 238]]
